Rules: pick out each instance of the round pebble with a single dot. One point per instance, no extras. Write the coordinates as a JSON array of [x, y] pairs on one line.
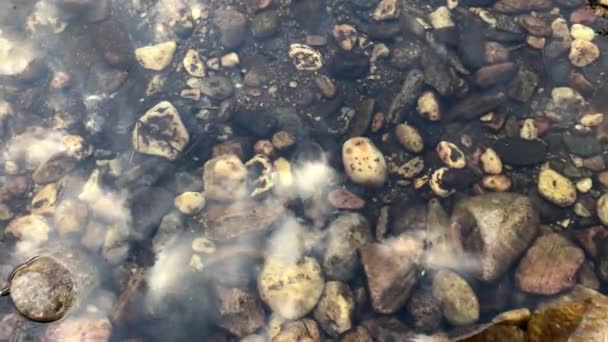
[[556, 188]]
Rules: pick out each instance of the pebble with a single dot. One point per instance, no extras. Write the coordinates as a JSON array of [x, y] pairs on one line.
[[346, 234], [305, 57], [336, 308], [528, 130], [519, 152], [156, 57], [602, 177], [32, 228], [315, 40], [264, 24], [386, 9], [459, 303], [409, 169], [549, 266], [326, 86], [405, 54], [582, 32], [584, 146], [409, 137], [592, 120], [341, 198], [346, 36], [160, 132], [44, 200], [556, 188], [240, 312], [230, 60], [203, 245], [495, 52], [193, 64], [225, 178], [602, 209], [256, 5], [534, 25], [583, 53], [216, 87], [291, 289], [498, 183], [70, 216], [112, 39], [264, 147], [232, 26], [491, 162], [560, 29], [282, 140], [364, 162], [424, 311], [379, 51], [441, 18], [451, 155], [489, 75], [516, 6], [536, 42], [189, 203], [437, 183], [584, 185], [429, 107]]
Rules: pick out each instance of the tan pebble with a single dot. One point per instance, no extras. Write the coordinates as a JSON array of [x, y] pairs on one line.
[[305, 57], [196, 262], [428, 106], [441, 18], [203, 245], [602, 177], [592, 120], [11, 168], [528, 130], [76, 146], [451, 155], [436, 183], [224, 178], [409, 137], [560, 29], [536, 42], [230, 60], [33, 228], [379, 51], [498, 183], [284, 174], [602, 209], [192, 94], [363, 162], [44, 200], [583, 53], [377, 122], [386, 9], [283, 140], [189, 203], [193, 64], [491, 162], [580, 210], [584, 185], [264, 147], [346, 36], [156, 57], [578, 31], [556, 188], [420, 182]]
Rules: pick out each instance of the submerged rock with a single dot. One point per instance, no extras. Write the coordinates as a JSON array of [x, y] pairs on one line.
[[240, 312], [346, 234], [494, 229], [160, 132], [364, 162], [335, 311], [458, 301]]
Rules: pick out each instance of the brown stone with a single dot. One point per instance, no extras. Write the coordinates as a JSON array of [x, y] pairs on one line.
[[588, 238], [495, 53], [549, 266], [595, 163], [236, 220], [534, 25], [602, 177], [391, 271], [240, 312], [490, 75], [341, 198], [518, 6], [583, 15]]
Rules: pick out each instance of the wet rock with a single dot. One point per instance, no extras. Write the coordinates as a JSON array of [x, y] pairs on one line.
[[528, 130], [240, 312], [160, 132], [386, 9], [494, 74], [498, 183], [578, 31], [242, 219], [345, 36], [391, 272], [260, 124], [265, 24], [335, 310], [305, 57], [326, 86], [359, 334], [602, 209], [405, 54], [583, 53], [346, 234], [156, 57], [549, 266], [409, 137], [535, 25], [410, 90], [451, 155], [54, 168], [70, 216], [193, 64], [424, 311], [520, 152], [495, 52], [429, 106], [584, 146], [496, 228], [364, 163], [459, 303], [348, 65], [89, 327], [224, 178], [386, 329], [437, 73], [556, 188], [256, 5], [491, 162], [341, 198], [113, 42], [290, 288], [475, 105], [516, 6], [232, 26], [189, 203], [304, 330], [523, 85], [216, 87], [42, 289], [32, 228]]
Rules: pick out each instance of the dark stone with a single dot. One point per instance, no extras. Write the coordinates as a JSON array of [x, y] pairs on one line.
[[519, 152], [559, 72], [183, 29], [571, 3], [388, 329], [112, 41], [478, 2], [148, 206], [523, 85], [437, 73], [424, 311], [405, 54], [260, 124], [264, 24], [216, 87], [365, 4], [503, 36], [476, 104], [584, 146], [410, 90], [348, 65], [383, 30], [471, 47]]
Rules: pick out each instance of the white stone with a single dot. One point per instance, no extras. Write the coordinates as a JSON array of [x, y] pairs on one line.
[[363, 162], [386, 9], [584, 185], [160, 132], [189, 203], [441, 18], [578, 31], [491, 162], [409, 137], [346, 36], [156, 57], [498, 183], [528, 130], [592, 120], [305, 57], [583, 53], [451, 155], [193, 64], [428, 106]]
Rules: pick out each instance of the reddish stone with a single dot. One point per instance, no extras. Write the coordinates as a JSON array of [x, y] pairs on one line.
[[341, 198], [588, 238], [492, 74], [583, 15]]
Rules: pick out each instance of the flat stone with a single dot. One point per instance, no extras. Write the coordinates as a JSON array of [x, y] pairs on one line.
[[520, 152], [160, 132], [156, 57], [584, 146]]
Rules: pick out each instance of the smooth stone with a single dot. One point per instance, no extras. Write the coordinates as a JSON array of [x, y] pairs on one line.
[[520, 152]]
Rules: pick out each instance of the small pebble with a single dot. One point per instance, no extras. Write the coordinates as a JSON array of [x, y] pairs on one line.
[[364, 162], [282, 140], [203, 245], [409, 137], [556, 188], [451, 155], [584, 185], [498, 183], [156, 57], [193, 64], [528, 131], [305, 57], [264, 147], [190, 203], [491, 162], [346, 36], [436, 183], [592, 120], [582, 32], [428, 106], [602, 209], [230, 60], [583, 53], [386, 9]]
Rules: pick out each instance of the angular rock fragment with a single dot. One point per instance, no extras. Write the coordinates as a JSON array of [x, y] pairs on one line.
[[335, 311], [160, 132], [346, 234], [241, 219], [240, 312], [459, 303]]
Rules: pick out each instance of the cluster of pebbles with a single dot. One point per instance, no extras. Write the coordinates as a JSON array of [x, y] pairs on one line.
[[365, 170]]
